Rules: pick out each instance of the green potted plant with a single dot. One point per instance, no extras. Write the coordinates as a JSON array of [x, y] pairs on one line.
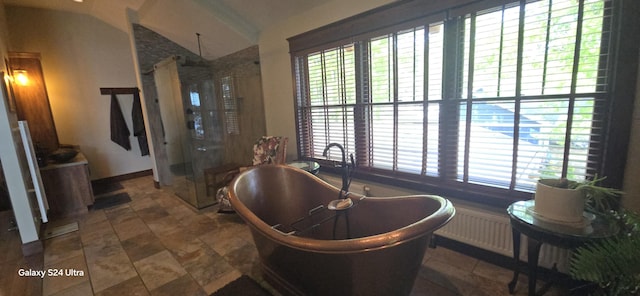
[[564, 200], [598, 199], [613, 263]]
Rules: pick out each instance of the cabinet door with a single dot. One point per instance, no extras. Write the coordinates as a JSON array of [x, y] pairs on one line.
[[68, 188]]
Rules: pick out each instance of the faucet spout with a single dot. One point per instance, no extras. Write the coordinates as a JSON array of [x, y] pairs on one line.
[[345, 168], [344, 155]]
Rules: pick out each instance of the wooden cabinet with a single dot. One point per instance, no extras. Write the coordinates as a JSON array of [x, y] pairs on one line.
[[32, 100], [68, 187]]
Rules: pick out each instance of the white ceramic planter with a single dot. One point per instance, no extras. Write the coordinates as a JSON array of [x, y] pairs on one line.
[[559, 204]]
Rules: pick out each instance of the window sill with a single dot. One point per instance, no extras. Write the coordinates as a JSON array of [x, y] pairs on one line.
[[383, 185]]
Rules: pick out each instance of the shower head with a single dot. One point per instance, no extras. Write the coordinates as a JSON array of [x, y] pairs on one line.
[[195, 63]]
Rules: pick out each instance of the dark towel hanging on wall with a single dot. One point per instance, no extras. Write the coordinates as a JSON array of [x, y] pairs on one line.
[[138, 125], [119, 130]]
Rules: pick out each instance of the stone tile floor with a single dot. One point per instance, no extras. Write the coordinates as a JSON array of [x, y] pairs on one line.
[[159, 245]]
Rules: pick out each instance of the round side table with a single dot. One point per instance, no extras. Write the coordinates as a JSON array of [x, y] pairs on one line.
[[307, 165], [539, 230]]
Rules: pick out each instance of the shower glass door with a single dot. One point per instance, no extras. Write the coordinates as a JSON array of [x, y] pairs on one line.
[[204, 130], [191, 128]]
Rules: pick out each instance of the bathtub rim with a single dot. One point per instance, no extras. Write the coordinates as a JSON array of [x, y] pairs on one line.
[[415, 230]]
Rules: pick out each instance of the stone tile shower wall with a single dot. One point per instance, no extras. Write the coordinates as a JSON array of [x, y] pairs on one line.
[[152, 48]]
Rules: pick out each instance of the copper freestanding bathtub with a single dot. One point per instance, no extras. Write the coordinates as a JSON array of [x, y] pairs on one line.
[[375, 247]]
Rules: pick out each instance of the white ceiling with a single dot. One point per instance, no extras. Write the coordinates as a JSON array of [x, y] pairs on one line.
[[225, 26]]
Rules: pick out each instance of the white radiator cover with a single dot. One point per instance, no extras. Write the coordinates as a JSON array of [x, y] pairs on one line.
[[482, 228], [492, 232]]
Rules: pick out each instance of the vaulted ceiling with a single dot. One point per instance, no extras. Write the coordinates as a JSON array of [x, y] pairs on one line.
[[225, 26]]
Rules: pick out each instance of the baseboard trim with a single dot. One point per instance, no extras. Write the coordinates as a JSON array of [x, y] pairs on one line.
[[124, 177]]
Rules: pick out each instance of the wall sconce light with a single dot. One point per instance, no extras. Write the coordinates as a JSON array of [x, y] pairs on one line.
[[20, 77]]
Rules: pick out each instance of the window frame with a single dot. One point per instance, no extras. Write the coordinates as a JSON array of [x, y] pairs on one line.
[[406, 14]]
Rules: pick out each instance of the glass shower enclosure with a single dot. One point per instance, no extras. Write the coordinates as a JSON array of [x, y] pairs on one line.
[[192, 128]]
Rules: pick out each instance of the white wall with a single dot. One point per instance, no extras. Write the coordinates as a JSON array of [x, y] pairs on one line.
[[80, 54], [275, 62]]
